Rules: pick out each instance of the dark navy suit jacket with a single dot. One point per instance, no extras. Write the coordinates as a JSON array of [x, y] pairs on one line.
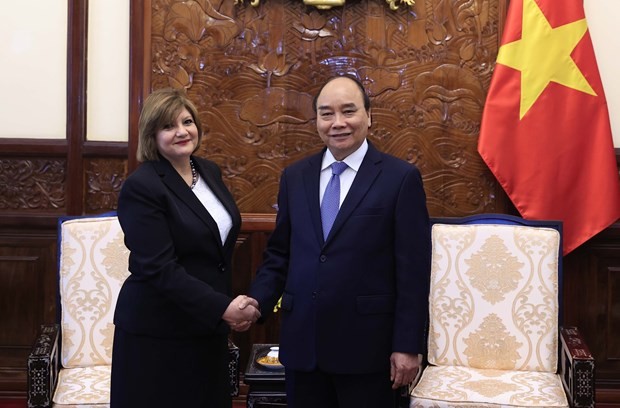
[[180, 282], [350, 301]]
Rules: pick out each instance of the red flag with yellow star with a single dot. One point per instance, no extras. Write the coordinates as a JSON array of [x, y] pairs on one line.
[[545, 130]]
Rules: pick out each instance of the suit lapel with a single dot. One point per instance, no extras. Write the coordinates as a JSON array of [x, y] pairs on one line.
[[364, 179], [311, 175], [175, 183]]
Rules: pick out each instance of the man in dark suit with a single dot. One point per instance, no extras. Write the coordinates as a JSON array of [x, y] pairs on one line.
[[354, 295]]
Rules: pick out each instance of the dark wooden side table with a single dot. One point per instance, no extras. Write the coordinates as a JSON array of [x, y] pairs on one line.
[[266, 386]]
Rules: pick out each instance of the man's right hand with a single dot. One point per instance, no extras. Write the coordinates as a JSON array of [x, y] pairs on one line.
[[241, 313]]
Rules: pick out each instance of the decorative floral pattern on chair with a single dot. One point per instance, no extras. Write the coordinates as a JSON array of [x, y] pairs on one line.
[[454, 386], [90, 385], [493, 330], [93, 266], [493, 270], [492, 346]]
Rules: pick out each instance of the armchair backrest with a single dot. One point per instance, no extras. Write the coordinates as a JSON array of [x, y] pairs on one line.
[[494, 294], [93, 264]]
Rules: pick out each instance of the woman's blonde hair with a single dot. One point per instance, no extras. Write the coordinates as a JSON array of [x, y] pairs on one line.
[[160, 109]]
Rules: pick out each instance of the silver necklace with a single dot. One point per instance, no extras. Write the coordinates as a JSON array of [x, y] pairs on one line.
[[194, 174]]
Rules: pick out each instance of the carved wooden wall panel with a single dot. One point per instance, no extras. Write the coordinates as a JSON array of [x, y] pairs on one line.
[[32, 184], [253, 71], [104, 179], [27, 299]]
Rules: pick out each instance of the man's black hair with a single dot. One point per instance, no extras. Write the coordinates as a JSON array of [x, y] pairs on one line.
[[352, 78]]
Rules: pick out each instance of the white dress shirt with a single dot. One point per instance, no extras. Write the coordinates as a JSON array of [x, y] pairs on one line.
[[354, 161]]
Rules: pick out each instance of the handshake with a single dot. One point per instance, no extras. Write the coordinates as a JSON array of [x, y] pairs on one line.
[[241, 313]]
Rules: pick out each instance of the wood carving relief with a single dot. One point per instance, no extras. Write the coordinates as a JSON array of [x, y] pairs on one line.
[[104, 178], [253, 71], [32, 184]]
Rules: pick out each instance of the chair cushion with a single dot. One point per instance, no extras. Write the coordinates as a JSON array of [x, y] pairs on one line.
[[494, 297], [83, 387], [452, 386], [93, 266]]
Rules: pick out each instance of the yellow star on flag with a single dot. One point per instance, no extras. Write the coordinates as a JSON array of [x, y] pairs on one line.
[[543, 55]]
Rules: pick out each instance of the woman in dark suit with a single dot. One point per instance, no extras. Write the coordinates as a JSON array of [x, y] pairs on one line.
[[174, 311]]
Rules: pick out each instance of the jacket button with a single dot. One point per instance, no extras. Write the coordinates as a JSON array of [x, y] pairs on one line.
[[323, 258], [222, 267], [313, 295]]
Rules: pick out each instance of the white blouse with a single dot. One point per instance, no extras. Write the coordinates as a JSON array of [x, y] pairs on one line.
[[214, 207]]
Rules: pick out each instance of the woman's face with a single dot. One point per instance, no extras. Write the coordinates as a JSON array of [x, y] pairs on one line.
[[177, 141]]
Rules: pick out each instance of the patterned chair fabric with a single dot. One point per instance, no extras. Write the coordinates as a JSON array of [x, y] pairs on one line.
[[93, 267], [493, 325], [93, 264]]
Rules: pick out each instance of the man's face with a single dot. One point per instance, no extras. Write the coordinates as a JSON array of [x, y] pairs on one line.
[[342, 121]]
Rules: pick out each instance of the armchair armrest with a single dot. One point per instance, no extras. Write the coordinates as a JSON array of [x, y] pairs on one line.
[[576, 368], [43, 366], [233, 368]]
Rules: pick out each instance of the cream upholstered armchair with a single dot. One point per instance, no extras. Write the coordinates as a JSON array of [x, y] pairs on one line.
[[70, 363], [494, 338]]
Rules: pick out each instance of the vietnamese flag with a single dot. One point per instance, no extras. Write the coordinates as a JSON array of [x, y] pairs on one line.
[[545, 131]]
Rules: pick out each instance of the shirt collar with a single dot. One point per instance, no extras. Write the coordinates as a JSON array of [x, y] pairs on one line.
[[354, 160]]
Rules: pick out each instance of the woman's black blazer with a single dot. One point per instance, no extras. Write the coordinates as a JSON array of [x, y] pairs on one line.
[[180, 281]]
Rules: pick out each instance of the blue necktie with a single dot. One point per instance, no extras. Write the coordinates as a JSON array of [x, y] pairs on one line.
[[331, 198]]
